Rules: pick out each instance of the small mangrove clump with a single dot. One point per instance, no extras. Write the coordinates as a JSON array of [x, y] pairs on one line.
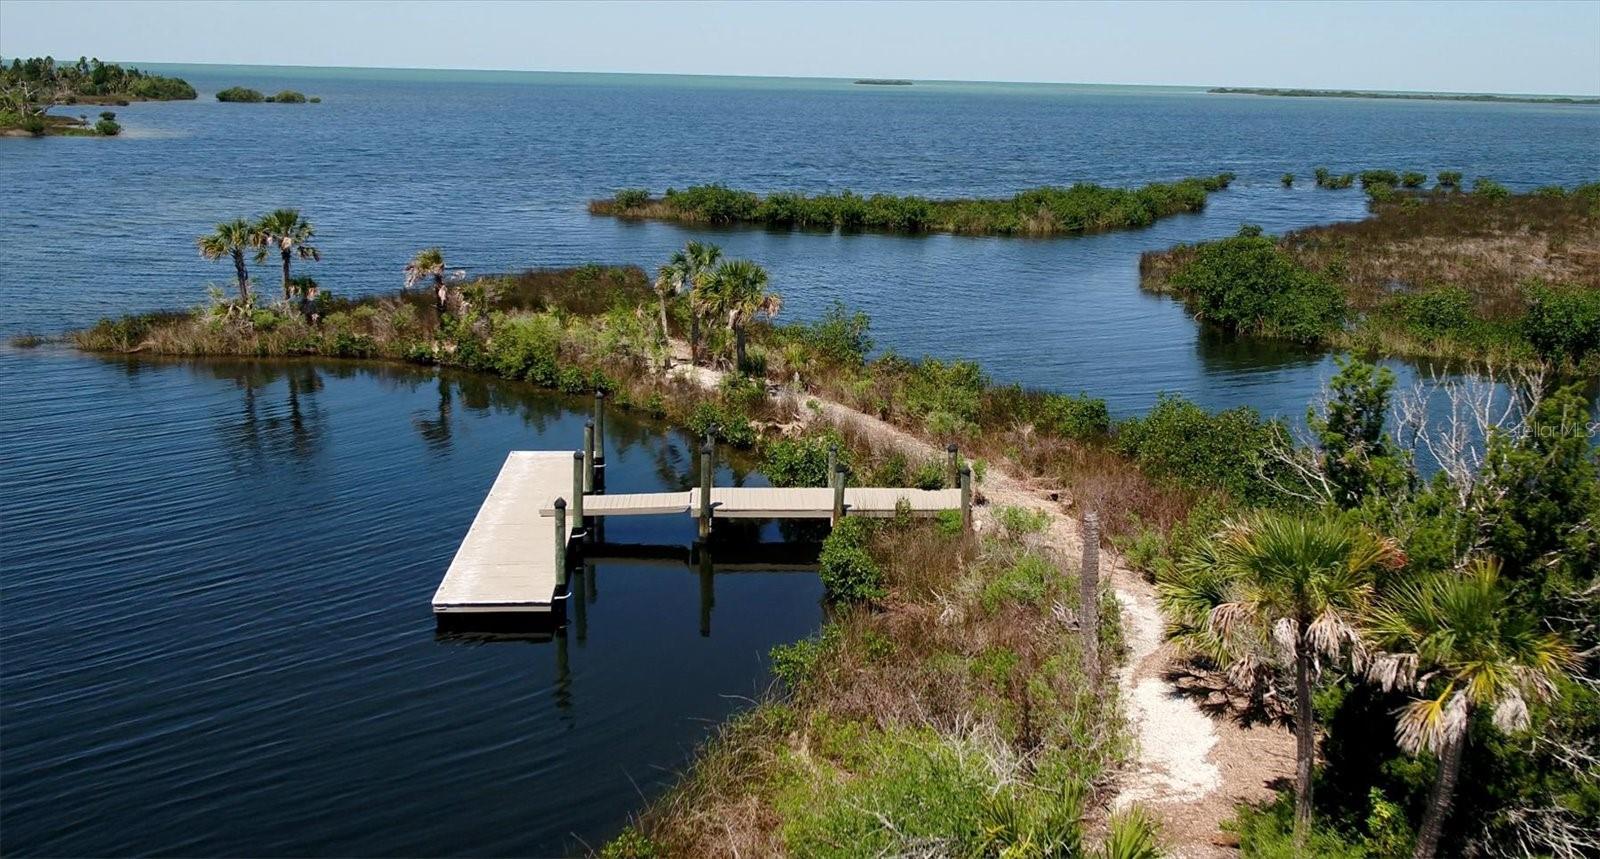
[[1047, 211], [241, 94]]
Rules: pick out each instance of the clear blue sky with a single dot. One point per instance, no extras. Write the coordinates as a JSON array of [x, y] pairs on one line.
[[1541, 47]]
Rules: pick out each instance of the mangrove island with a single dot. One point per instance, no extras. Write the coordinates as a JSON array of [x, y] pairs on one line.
[[1415, 96], [1047, 211], [30, 88]]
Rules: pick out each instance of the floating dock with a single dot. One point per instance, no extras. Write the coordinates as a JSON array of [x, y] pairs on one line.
[[507, 563], [514, 559]]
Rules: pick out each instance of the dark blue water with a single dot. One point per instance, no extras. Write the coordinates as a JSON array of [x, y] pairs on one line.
[[214, 635]]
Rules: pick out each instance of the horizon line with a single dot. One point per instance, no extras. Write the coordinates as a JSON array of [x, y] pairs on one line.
[[1324, 88]]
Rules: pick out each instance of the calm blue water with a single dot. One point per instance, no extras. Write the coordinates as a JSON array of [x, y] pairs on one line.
[[215, 576]]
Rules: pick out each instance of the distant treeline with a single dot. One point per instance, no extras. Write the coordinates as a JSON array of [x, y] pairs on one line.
[[1081, 208], [1420, 96]]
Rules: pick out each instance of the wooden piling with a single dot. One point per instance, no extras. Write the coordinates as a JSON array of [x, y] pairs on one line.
[[1089, 595], [707, 470], [588, 456], [561, 546], [838, 493], [599, 440], [966, 496], [833, 461], [952, 466], [578, 524]]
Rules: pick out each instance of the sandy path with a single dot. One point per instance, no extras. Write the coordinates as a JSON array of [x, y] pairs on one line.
[[1191, 769]]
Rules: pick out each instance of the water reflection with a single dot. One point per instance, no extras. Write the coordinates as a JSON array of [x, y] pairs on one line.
[[274, 421]]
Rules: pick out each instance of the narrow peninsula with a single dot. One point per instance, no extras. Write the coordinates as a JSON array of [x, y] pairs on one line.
[[1483, 275], [1414, 96], [1038, 212]]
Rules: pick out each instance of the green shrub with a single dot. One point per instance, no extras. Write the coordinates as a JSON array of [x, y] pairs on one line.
[[1077, 416], [1563, 322], [1322, 176], [798, 461], [793, 663], [316, 99], [1449, 179], [240, 94], [951, 394], [1183, 442], [108, 125], [632, 198], [723, 423], [1370, 178], [1020, 520], [630, 843], [1287, 180], [527, 348], [287, 96], [1489, 189], [839, 337], [1412, 179], [1026, 581], [1438, 312], [848, 571], [1551, 191], [1247, 283]]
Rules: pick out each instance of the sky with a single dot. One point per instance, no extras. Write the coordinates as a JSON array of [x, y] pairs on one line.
[[1515, 47]]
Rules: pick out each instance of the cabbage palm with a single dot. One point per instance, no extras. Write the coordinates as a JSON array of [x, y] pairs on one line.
[[290, 234], [737, 291], [430, 263], [1457, 640], [670, 280], [697, 261], [1280, 587], [231, 239]]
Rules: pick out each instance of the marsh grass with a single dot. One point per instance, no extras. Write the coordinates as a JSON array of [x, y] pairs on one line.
[[1440, 273]]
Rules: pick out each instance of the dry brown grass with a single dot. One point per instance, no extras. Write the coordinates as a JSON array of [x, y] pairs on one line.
[[1486, 246]]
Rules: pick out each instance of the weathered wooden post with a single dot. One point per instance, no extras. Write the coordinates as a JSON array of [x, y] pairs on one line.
[[1089, 595], [588, 456], [579, 526], [952, 466], [600, 440], [707, 469], [966, 496], [561, 546], [838, 493]]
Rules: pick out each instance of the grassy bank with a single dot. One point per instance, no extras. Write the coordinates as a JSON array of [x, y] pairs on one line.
[[953, 715], [1048, 211], [1513, 278]]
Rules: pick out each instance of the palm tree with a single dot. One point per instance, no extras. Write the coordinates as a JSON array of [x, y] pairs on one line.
[[670, 280], [285, 230], [1280, 586], [430, 263], [737, 290], [231, 239], [697, 261], [1457, 640]]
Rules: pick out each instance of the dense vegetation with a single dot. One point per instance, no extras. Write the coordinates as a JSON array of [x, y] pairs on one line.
[[1081, 208], [944, 710], [241, 94], [1422, 96], [1513, 278], [245, 95], [945, 706], [30, 88]]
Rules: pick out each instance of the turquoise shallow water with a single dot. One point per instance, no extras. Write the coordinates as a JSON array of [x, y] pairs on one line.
[[215, 629]]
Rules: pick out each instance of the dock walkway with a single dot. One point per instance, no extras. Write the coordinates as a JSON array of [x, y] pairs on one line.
[[511, 560]]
